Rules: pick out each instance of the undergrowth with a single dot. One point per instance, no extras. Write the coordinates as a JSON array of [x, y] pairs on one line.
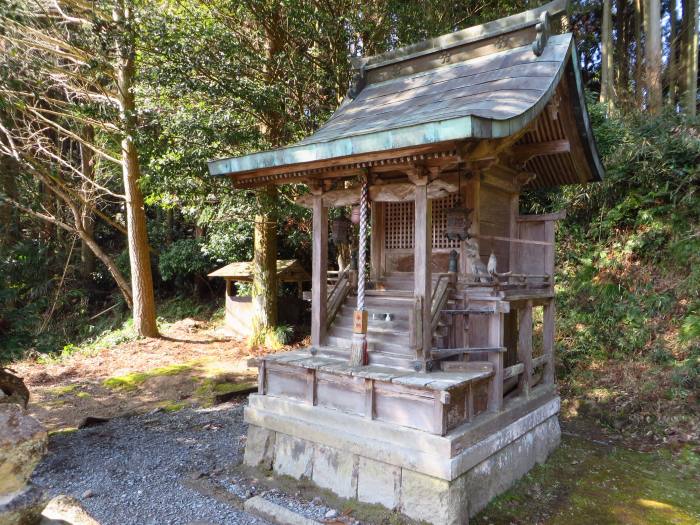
[[628, 260]]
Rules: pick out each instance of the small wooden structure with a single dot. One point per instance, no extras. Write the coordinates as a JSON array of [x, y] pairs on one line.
[[453, 398], [239, 309]]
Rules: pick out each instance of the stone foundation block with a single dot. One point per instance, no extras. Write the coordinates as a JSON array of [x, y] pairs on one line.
[[259, 447], [335, 470], [378, 483], [293, 456], [433, 500], [499, 472]]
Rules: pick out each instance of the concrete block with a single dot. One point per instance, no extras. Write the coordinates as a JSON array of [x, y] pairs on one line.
[[335, 470], [275, 513], [293, 456], [499, 472], [434, 500], [378, 482], [259, 447]]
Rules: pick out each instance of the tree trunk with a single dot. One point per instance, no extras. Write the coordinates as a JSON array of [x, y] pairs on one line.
[[9, 218], [622, 27], [689, 53], [144, 308], [673, 55], [638, 83], [606, 70], [264, 290], [87, 159], [652, 30]]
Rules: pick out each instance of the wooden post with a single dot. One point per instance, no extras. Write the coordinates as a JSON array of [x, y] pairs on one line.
[[513, 233], [549, 251], [319, 268], [377, 242], [421, 262], [495, 339], [548, 342], [525, 347], [472, 198]]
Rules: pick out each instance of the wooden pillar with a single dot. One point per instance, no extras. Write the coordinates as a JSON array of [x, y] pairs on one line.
[[525, 347], [495, 339], [377, 242], [513, 233], [421, 262], [472, 199], [319, 269], [548, 342], [549, 251]]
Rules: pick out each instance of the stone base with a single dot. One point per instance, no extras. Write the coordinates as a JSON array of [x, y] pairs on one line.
[[457, 476]]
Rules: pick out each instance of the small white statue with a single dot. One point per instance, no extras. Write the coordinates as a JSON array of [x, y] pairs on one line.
[[475, 265], [492, 265]]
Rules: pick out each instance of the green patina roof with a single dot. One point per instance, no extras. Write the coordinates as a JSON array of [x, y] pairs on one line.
[[489, 96]]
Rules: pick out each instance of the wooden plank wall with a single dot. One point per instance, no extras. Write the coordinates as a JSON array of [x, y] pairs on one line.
[[494, 208]]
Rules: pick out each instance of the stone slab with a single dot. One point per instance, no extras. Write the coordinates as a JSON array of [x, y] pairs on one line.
[[433, 500], [500, 471], [412, 449], [293, 456], [259, 447], [23, 442], [379, 483], [65, 510], [275, 513], [335, 470]]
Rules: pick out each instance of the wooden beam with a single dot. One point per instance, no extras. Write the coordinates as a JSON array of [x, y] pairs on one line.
[[521, 153], [319, 265]]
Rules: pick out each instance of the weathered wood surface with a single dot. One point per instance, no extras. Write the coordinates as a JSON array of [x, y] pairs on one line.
[[393, 192], [525, 347], [319, 265], [500, 85], [422, 268]]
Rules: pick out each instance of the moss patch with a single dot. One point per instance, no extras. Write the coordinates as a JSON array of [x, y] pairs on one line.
[[133, 380], [584, 483], [174, 406], [126, 382], [62, 390]]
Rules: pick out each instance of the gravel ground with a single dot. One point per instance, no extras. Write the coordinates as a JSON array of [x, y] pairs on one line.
[[159, 468]]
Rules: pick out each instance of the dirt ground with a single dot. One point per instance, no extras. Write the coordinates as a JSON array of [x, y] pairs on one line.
[[600, 474], [193, 364]]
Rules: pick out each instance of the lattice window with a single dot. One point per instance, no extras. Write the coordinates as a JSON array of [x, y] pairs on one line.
[[440, 207], [399, 222]]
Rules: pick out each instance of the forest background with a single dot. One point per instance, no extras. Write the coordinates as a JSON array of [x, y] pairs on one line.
[[109, 111]]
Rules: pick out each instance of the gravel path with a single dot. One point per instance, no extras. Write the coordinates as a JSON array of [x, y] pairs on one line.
[[159, 468]]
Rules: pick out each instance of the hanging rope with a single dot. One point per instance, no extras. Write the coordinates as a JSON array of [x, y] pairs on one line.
[[362, 259]]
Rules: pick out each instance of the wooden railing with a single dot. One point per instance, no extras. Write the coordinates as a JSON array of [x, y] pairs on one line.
[[337, 295], [438, 300]]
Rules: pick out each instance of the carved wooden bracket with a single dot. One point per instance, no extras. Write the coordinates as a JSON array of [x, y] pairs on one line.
[[543, 30]]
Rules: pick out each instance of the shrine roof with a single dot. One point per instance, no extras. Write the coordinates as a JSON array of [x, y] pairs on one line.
[[484, 82], [287, 270]]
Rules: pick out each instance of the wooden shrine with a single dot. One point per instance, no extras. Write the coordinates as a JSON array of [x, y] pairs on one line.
[[429, 385], [239, 308]]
